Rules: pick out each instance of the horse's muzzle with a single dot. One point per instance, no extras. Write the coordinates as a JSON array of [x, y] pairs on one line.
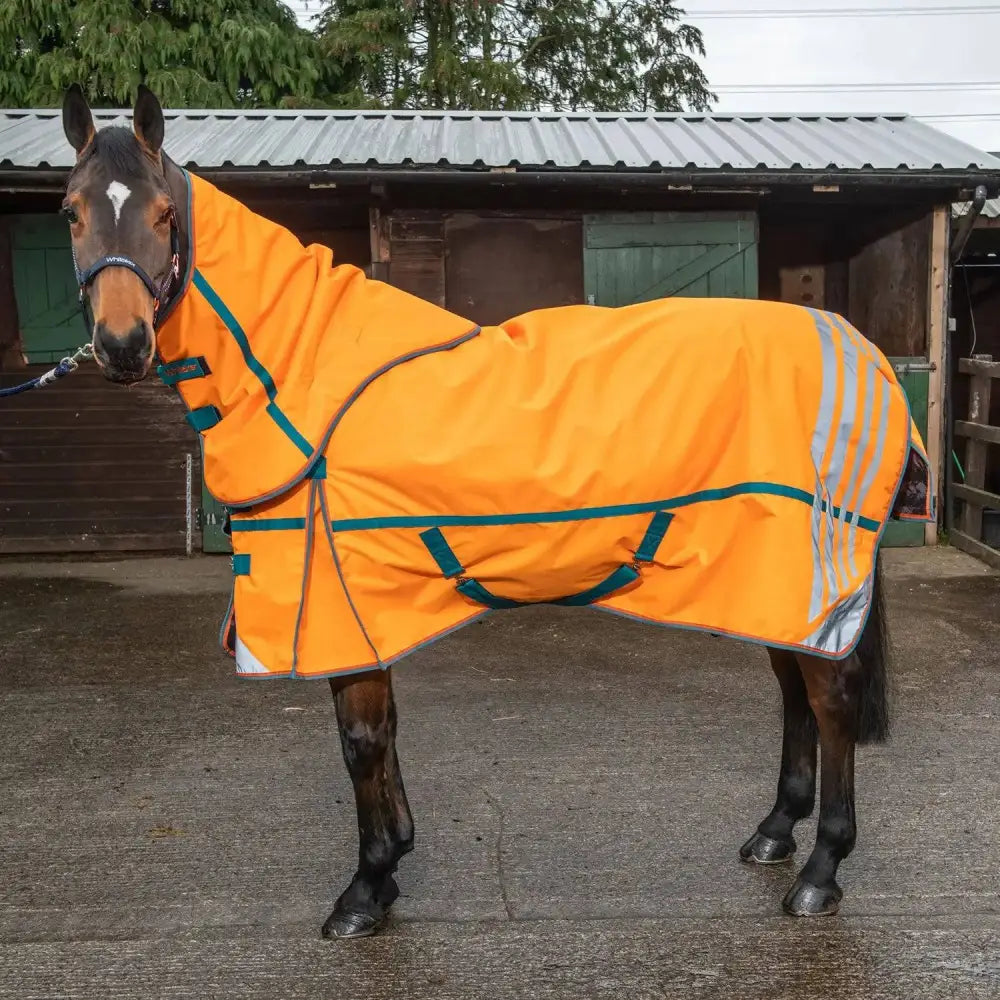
[[124, 358]]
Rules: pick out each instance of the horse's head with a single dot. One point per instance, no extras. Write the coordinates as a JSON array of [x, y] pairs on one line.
[[123, 227]]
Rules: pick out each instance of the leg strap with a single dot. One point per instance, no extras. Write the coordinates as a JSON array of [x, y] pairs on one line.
[[623, 576]]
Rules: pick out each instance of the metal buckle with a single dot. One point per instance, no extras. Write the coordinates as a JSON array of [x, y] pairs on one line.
[[82, 353]]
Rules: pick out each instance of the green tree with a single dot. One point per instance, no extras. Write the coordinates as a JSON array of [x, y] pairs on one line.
[[604, 55], [195, 53]]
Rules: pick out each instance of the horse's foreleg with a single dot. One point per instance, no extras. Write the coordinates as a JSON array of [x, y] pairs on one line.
[[835, 688], [366, 715], [773, 842]]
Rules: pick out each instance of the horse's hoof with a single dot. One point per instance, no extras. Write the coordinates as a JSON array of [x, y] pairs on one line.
[[764, 850], [360, 911], [807, 900], [351, 925]]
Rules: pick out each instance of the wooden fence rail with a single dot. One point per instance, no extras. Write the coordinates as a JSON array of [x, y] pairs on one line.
[[980, 434]]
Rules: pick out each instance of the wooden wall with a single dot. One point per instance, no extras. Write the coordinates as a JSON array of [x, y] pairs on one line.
[[492, 265], [487, 267], [871, 267], [88, 466], [888, 289], [417, 254], [531, 263]]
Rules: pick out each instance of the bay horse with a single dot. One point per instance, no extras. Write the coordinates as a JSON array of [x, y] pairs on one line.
[[123, 202]]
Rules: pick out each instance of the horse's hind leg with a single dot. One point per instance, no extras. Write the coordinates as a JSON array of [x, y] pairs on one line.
[[773, 842], [834, 690], [366, 715]]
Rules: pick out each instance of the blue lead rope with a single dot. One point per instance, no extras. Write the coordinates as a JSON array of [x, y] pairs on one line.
[[62, 369]]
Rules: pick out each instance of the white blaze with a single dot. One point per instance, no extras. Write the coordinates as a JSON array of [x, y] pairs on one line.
[[117, 194]]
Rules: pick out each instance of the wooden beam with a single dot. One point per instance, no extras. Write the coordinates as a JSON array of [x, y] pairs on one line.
[[975, 496], [378, 231], [979, 366], [974, 547], [937, 321], [11, 349], [977, 449], [978, 432]]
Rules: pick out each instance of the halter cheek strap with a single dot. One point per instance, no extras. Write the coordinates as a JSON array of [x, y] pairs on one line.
[[159, 292]]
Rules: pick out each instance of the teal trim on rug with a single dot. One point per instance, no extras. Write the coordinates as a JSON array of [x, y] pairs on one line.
[[263, 375], [268, 524], [588, 513], [277, 415]]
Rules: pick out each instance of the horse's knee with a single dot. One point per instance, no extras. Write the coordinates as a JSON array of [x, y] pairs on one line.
[[364, 742]]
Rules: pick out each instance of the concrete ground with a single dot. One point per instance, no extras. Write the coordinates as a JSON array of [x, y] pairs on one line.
[[580, 786]]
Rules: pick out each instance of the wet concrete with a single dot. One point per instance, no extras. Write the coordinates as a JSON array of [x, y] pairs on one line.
[[580, 786]]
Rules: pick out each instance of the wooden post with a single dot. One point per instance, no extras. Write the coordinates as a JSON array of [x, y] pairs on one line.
[[11, 349], [378, 229], [976, 452], [937, 320]]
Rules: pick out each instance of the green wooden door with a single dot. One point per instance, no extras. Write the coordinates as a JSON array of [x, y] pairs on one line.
[[916, 386], [48, 300], [639, 256]]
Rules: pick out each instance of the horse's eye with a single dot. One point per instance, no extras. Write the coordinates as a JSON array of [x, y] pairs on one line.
[[166, 215], [70, 214]]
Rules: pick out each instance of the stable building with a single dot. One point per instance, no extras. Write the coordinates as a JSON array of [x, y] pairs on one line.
[[489, 215]]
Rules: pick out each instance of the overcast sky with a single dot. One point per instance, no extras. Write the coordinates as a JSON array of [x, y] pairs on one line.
[[764, 56]]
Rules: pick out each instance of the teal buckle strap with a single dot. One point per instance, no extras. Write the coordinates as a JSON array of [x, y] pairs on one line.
[[241, 564], [182, 370], [441, 551], [203, 418], [654, 535]]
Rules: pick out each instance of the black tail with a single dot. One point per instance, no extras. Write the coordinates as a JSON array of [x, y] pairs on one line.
[[873, 652]]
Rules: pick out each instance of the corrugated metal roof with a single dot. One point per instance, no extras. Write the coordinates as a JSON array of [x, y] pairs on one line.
[[991, 209], [469, 140]]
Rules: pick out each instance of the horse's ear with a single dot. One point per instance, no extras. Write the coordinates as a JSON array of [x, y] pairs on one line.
[[78, 122], [147, 119]]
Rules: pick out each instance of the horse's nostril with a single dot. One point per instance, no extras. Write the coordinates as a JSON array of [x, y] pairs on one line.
[[128, 353], [100, 355], [137, 342]]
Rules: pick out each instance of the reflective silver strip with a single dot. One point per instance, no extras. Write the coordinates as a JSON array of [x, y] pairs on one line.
[[842, 623], [884, 404], [849, 403], [246, 662], [820, 440], [830, 526], [816, 598], [850, 501]]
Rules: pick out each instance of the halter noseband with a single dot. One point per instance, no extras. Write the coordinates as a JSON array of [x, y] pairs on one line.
[[159, 293]]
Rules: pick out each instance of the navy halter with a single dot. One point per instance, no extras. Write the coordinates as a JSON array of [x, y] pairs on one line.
[[159, 292]]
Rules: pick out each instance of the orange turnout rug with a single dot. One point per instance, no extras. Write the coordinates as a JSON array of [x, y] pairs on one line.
[[394, 471]]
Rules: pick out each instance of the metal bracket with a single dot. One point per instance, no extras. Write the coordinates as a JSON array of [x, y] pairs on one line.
[[917, 366]]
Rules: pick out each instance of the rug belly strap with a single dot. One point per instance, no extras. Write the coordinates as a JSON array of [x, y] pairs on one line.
[[617, 580]]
